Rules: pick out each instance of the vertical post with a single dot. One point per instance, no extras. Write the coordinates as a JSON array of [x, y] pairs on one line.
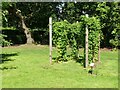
[[50, 38], [86, 45], [1, 75], [99, 49]]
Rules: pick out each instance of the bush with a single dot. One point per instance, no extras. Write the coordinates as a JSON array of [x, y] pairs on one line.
[[4, 42]]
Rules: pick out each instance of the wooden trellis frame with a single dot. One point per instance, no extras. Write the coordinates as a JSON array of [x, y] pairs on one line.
[[86, 43]]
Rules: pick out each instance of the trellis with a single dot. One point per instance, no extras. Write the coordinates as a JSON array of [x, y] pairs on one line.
[[86, 43]]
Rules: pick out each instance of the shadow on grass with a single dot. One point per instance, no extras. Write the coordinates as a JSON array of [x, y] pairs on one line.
[[57, 59], [79, 59], [6, 58], [8, 67], [54, 58]]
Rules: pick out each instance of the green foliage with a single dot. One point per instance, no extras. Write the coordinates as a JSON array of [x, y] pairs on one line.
[[4, 18], [73, 35], [4, 42], [115, 41], [60, 38], [108, 12], [36, 15], [8, 28], [65, 34], [93, 25]]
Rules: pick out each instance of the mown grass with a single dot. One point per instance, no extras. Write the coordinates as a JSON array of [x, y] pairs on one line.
[[28, 66]]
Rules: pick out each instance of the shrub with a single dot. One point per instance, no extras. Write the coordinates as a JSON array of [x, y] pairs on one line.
[[4, 42]]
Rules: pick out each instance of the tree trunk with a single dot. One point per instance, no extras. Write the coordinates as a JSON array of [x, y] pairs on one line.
[[24, 28], [27, 32]]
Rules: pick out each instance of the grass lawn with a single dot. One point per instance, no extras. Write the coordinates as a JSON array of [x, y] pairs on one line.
[[27, 66]]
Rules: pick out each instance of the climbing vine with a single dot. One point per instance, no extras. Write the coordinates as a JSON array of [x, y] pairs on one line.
[[93, 25], [73, 39], [73, 35], [60, 39]]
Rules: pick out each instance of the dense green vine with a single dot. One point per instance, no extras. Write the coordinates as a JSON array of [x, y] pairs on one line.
[[93, 37], [60, 39], [73, 39], [73, 35]]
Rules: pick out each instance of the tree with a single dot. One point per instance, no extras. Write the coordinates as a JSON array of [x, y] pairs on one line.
[[109, 15], [34, 16], [107, 12], [14, 12]]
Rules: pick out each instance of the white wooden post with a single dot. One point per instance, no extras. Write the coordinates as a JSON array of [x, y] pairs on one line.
[[50, 38], [99, 49], [86, 45]]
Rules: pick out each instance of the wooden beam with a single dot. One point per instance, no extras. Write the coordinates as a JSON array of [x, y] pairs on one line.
[[99, 49], [86, 46], [50, 38]]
